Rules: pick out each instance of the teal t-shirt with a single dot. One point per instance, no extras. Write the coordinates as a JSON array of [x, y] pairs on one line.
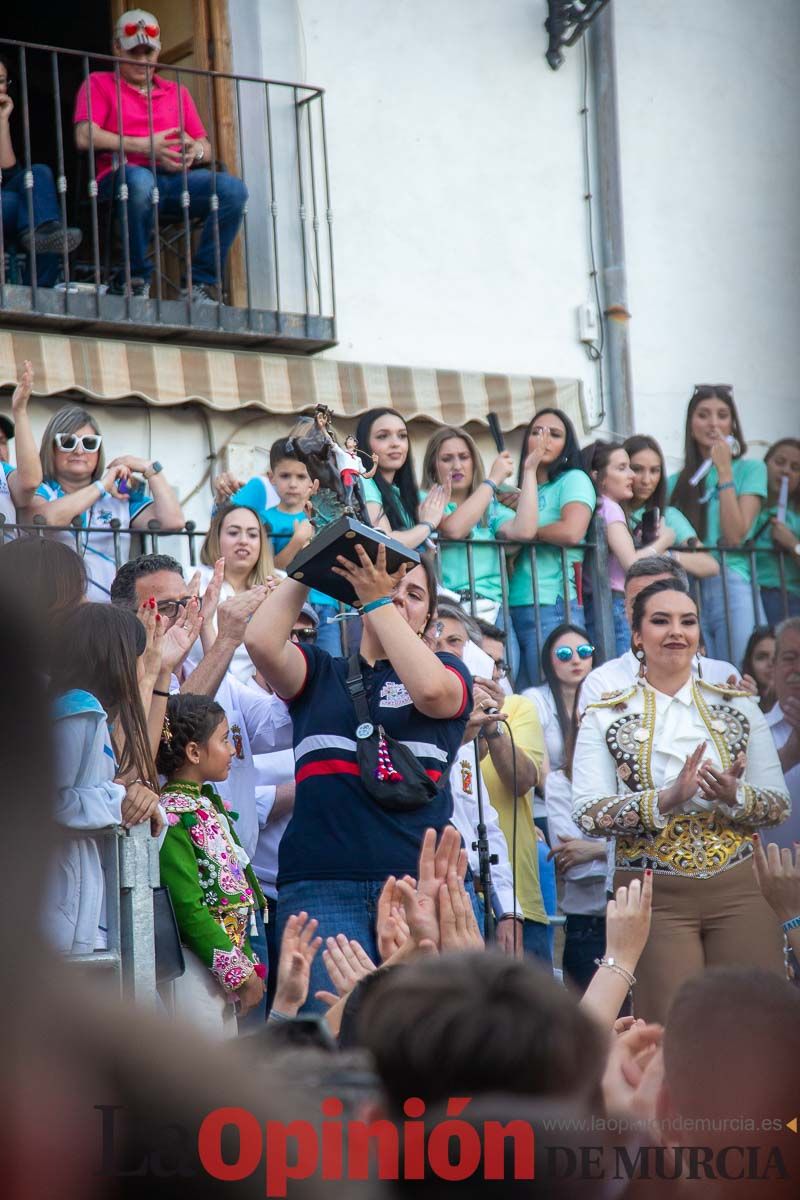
[[281, 527], [767, 569], [485, 565], [372, 496], [749, 479], [567, 488], [674, 519]]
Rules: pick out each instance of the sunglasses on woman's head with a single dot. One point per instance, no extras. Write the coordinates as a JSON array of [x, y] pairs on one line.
[[564, 653], [90, 442], [714, 389]]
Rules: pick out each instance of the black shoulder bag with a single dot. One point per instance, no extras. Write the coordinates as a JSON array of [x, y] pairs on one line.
[[389, 771]]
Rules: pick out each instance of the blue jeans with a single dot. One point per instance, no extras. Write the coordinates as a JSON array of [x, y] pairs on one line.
[[622, 630], [723, 639], [537, 938], [232, 196], [772, 599], [45, 208], [585, 940], [524, 621], [347, 906], [329, 634]]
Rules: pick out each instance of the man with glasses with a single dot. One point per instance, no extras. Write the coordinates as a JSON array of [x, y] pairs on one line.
[[179, 152], [259, 722]]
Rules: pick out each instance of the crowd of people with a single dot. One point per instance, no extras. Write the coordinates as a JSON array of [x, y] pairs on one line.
[[366, 840], [148, 150]]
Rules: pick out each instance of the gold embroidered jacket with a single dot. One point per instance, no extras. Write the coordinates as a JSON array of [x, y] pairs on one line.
[[635, 741]]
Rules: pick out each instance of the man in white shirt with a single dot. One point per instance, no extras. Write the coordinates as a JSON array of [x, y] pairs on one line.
[[784, 723], [621, 672], [453, 637], [259, 722]]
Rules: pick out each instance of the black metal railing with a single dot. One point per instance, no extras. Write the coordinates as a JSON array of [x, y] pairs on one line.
[[592, 576], [278, 279]]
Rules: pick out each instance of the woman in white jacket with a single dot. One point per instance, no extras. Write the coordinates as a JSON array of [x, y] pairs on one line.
[[104, 770]]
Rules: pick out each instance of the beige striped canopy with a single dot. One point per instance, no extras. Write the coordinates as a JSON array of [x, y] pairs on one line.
[[228, 380]]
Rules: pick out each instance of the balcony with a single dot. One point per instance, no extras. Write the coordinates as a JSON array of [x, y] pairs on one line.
[[277, 282]]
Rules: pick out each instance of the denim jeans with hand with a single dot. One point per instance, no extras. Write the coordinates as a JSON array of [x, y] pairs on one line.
[[231, 194], [45, 209]]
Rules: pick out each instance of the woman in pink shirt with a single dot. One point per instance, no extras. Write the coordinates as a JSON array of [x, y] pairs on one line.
[[609, 467]]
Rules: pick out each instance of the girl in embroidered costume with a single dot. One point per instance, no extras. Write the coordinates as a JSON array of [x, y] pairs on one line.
[[681, 772], [213, 887]]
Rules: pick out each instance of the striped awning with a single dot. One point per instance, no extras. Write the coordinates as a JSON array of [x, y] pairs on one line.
[[225, 380]]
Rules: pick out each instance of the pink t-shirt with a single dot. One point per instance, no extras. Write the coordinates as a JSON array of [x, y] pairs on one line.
[[135, 122], [611, 514]]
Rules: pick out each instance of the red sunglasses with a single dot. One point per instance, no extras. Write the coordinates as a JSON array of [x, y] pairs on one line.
[[151, 30]]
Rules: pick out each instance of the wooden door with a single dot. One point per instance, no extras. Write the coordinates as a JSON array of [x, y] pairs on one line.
[[196, 33]]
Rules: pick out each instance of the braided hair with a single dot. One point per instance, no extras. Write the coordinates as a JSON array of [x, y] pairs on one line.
[[189, 718]]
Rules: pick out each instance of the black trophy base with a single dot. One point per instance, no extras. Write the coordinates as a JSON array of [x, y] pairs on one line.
[[313, 565]]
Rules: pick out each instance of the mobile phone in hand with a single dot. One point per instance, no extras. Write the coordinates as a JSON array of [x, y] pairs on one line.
[[650, 523]]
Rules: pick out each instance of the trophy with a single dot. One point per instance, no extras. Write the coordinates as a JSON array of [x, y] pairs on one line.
[[339, 511]]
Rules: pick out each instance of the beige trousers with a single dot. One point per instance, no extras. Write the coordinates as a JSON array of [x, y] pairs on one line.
[[697, 923]]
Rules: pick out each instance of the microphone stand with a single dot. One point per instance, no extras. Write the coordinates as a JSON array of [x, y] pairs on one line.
[[485, 858]]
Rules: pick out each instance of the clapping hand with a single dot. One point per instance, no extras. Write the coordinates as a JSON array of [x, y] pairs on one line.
[[298, 950], [22, 392], [686, 784], [457, 925], [628, 918], [346, 962], [432, 508], [421, 903], [179, 639], [721, 786], [778, 876], [392, 930]]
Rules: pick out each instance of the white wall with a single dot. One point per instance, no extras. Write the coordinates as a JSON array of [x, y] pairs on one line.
[[709, 113], [459, 225]]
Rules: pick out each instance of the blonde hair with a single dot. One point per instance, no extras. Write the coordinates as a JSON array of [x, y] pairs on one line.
[[68, 420], [429, 476], [210, 550]]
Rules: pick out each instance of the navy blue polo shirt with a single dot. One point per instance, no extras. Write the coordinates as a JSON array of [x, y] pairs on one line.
[[337, 830]]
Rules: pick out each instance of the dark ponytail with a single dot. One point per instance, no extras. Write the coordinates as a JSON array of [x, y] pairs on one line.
[[189, 719]]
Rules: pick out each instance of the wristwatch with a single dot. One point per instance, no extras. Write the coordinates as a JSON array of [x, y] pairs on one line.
[[155, 468], [490, 737], [199, 154]]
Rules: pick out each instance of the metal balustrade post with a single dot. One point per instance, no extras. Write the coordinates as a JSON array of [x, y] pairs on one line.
[[246, 248], [273, 208], [602, 604], [473, 603], [314, 212], [120, 182], [28, 179], [139, 875], [185, 202], [214, 200], [61, 177], [155, 197], [726, 602], [302, 207], [92, 188], [328, 208]]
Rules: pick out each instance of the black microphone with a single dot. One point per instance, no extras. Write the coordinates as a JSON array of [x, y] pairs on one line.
[[496, 432]]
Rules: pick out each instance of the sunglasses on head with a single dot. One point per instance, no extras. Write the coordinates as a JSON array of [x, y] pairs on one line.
[[171, 608], [713, 389], [130, 29], [90, 442], [564, 653], [304, 635]]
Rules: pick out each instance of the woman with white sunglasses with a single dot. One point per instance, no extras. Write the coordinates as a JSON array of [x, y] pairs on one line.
[[78, 484]]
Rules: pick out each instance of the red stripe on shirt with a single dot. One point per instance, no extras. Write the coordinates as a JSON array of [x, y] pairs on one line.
[[328, 766], [434, 775], [460, 679]]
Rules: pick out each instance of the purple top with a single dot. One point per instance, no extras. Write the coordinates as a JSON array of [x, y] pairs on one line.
[[611, 513]]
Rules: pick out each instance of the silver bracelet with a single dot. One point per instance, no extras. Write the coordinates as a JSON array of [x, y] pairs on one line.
[[613, 965]]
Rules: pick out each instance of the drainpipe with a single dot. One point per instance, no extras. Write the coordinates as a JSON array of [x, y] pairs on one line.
[[613, 276]]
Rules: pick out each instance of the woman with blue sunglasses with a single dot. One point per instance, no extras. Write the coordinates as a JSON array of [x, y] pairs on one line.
[[78, 484], [567, 658]]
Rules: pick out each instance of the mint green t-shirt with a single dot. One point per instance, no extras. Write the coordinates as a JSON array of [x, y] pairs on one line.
[[485, 565], [749, 479], [767, 569], [569, 487], [372, 495], [674, 519]]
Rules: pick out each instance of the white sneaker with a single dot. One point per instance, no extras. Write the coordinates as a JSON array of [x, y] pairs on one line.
[[201, 294]]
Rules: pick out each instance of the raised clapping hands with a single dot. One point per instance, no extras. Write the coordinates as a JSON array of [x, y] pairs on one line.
[[346, 963], [299, 948], [432, 508], [628, 918], [777, 873], [22, 392], [686, 784], [437, 909], [721, 786]]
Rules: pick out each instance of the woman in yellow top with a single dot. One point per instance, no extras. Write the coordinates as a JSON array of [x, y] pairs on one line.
[[681, 772]]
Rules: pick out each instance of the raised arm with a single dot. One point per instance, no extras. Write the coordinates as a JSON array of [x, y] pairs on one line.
[[65, 508], [736, 513], [268, 643], [571, 526], [434, 688], [23, 482]]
